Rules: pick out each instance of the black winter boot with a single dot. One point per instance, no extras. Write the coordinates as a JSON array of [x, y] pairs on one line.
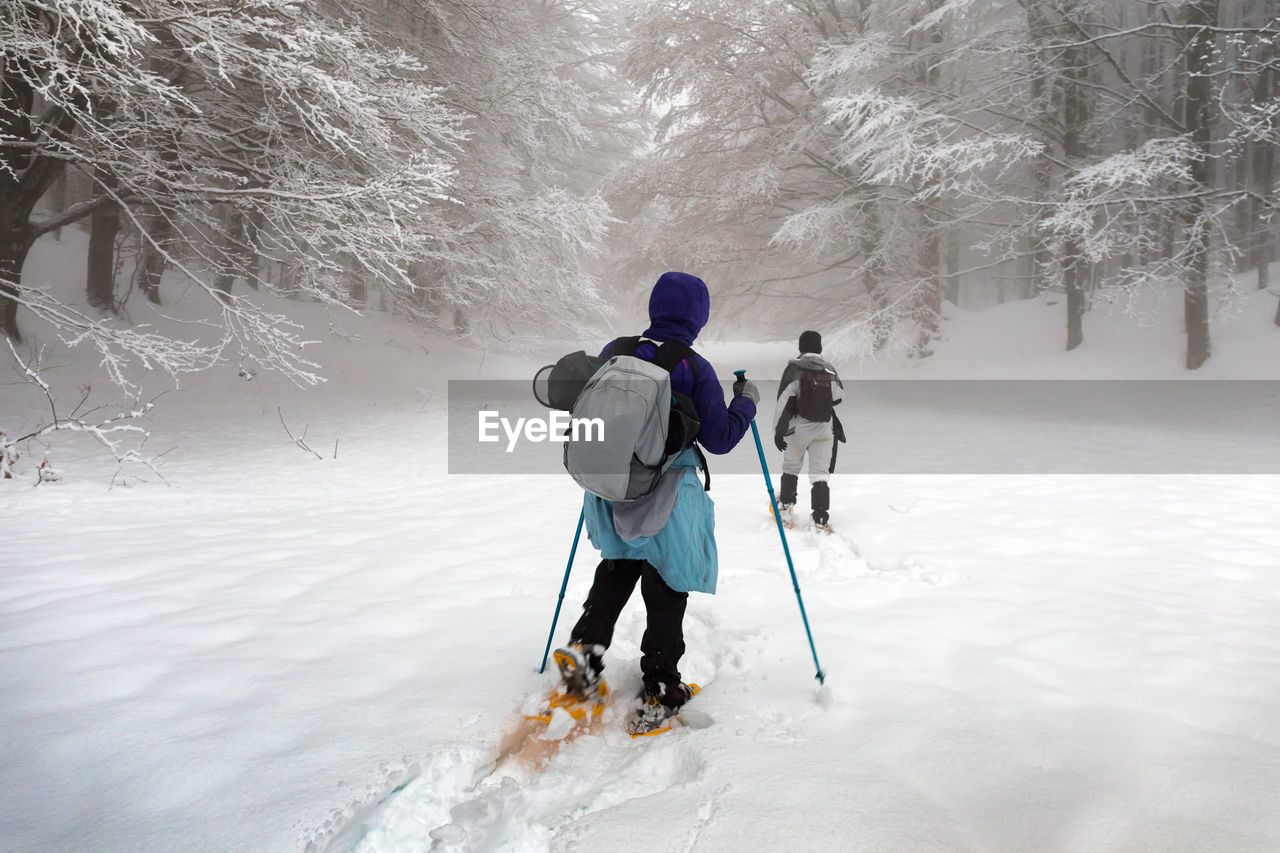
[[657, 706], [820, 502], [666, 693]]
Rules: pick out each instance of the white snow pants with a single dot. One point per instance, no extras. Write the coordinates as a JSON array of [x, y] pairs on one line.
[[815, 438]]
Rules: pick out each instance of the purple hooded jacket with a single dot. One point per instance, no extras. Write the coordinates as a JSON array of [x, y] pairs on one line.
[[684, 549], [678, 309]]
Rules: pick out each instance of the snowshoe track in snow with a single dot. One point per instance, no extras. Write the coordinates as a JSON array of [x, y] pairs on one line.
[[832, 557], [535, 792], [522, 804]]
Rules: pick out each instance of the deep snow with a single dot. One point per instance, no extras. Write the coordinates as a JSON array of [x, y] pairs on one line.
[[255, 656]]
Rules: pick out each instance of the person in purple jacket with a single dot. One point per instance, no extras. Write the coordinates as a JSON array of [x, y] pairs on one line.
[[678, 558]]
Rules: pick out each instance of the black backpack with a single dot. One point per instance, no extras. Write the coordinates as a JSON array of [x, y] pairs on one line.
[[814, 399]]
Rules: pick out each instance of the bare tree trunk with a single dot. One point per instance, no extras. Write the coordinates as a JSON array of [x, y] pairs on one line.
[[1042, 256], [1264, 167], [1152, 59], [152, 263], [357, 290], [60, 194], [15, 243], [1204, 15], [1260, 244], [251, 262], [285, 281], [23, 180], [929, 304], [951, 287], [873, 275], [1133, 134], [231, 252], [1043, 108], [100, 276], [1074, 116], [1073, 285]]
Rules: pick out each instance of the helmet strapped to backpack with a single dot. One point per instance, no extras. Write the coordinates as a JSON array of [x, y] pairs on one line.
[[558, 385]]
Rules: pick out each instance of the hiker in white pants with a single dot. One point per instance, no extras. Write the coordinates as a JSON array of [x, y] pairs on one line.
[[805, 423]]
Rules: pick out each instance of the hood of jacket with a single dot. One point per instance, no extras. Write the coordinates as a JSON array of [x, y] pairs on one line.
[[811, 361], [679, 306]]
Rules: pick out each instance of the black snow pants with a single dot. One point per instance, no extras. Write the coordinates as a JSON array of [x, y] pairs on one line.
[[663, 642]]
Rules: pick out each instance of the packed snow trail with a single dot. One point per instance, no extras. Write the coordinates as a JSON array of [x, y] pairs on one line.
[[523, 804]]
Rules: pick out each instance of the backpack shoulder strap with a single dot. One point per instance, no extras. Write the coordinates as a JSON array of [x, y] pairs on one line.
[[626, 346], [706, 469], [672, 353], [668, 357]]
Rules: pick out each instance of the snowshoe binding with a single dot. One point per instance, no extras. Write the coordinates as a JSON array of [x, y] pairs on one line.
[[821, 521], [580, 668], [578, 709], [582, 691], [787, 514], [653, 716]]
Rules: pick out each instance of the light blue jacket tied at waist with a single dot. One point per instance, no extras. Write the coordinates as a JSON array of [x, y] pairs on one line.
[[683, 549]]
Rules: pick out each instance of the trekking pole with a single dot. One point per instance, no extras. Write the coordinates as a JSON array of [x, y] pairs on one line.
[[573, 550], [777, 517]]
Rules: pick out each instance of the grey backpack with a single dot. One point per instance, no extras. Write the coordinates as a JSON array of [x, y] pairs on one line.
[[632, 425]]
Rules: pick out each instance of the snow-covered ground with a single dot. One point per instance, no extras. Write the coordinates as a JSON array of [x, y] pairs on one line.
[[279, 652]]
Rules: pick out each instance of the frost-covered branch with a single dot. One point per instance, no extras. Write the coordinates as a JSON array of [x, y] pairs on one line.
[[120, 434], [119, 347]]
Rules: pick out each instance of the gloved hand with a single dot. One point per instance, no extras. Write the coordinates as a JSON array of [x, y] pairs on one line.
[[779, 442], [746, 388]]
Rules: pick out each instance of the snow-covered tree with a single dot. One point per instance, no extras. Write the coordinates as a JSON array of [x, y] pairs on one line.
[[1154, 200], [844, 154], [548, 119], [741, 147], [822, 153], [203, 116], [921, 100]]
